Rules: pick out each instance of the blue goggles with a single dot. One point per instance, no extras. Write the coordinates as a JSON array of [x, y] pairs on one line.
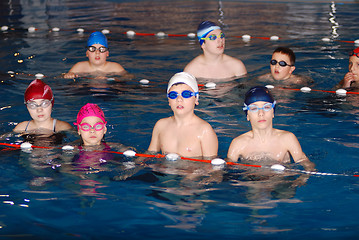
[[254, 108], [184, 94], [214, 37]]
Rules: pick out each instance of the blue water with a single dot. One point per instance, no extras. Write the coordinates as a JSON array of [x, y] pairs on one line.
[[44, 195]]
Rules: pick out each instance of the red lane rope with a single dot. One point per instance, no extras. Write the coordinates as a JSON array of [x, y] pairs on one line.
[[183, 158], [314, 90]]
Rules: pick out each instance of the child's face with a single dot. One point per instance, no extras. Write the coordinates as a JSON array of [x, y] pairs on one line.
[[261, 119], [92, 136], [97, 57], [354, 66], [278, 72], [39, 109], [214, 46], [182, 105]]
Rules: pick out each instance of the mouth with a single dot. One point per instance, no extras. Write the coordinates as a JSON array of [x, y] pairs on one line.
[[180, 107]]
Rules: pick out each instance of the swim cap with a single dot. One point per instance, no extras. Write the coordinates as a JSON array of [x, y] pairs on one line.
[[97, 38], [355, 51], [90, 110], [183, 77], [256, 94], [204, 28], [37, 89]]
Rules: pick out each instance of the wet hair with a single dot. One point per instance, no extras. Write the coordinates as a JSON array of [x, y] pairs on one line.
[[286, 51]]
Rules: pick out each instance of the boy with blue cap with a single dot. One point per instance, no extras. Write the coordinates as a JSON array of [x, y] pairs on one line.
[[97, 53], [184, 133], [264, 142], [213, 63]]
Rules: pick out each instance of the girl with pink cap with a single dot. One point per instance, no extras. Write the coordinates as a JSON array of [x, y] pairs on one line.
[[91, 124], [39, 101]]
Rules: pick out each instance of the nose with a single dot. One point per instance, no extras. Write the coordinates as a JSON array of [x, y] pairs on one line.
[[39, 109], [260, 112], [179, 98]]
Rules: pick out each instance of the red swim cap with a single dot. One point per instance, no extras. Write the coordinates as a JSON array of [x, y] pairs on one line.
[[38, 90]]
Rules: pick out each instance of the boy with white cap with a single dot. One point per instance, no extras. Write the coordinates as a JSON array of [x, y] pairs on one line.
[[213, 63], [184, 133], [97, 53]]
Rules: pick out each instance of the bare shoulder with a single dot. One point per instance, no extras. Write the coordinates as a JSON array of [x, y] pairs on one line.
[[162, 123], [115, 67], [193, 64], [62, 126], [286, 136], [243, 139], [236, 64], [80, 67], [20, 127]]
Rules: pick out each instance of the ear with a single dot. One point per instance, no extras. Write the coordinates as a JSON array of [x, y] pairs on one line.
[[247, 118], [105, 130], [196, 102], [107, 53], [87, 53], [292, 68]]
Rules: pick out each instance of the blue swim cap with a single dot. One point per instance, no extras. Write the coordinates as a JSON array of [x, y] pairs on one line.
[[256, 94], [204, 28], [97, 38]]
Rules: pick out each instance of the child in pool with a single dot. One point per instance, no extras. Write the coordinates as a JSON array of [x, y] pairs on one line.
[[264, 142], [184, 133], [97, 53], [351, 78], [282, 66], [91, 125], [213, 63], [39, 101]]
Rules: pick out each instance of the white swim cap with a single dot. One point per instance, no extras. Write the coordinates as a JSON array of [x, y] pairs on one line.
[[183, 77]]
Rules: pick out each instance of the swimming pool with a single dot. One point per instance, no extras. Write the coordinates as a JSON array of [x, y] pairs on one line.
[[44, 196]]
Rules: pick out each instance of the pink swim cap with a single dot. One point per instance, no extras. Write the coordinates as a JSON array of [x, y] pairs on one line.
[[90, 110], [37, 89]]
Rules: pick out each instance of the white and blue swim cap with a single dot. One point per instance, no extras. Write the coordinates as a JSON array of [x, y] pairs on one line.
[[256, 94], [97, 38], [185, 78], [204, 28]]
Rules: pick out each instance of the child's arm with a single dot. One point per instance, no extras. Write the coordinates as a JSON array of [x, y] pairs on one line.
[[296, 152], [209, 143], [78, 67], [155, 140]]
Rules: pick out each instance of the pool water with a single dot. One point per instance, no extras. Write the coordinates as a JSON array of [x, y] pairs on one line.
[[47, 193]]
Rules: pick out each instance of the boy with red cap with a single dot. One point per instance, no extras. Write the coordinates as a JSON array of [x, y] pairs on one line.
[[351, 79], [213, 63], [97, 53], [39, 101]]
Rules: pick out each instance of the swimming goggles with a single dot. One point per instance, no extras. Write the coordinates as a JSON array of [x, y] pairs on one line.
[[100, 49], [87, 127], [352, 53], [184, 94], [254, 108], [281, 63], [33, 105], [214, 37]]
